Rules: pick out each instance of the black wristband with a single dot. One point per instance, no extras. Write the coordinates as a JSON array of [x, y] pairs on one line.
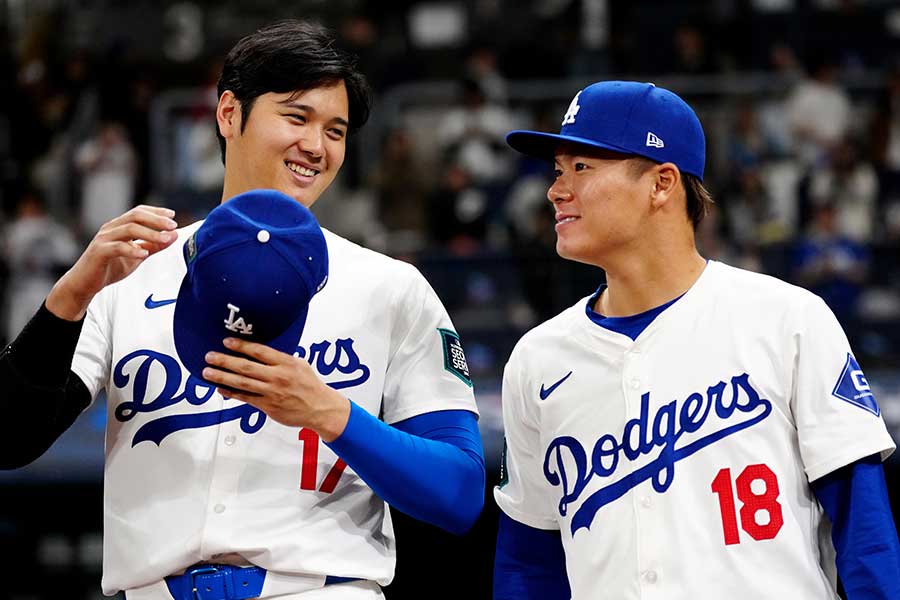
[[43, 351]]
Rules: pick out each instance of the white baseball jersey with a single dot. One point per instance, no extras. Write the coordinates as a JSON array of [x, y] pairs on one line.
[[191, 477], [678, 465]]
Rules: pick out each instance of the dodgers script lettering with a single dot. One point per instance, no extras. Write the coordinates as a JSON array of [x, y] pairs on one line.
[[135, 369], [645, 435]]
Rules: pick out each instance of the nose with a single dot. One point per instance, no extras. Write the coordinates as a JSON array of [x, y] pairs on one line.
[[559, 191], [312, 143]]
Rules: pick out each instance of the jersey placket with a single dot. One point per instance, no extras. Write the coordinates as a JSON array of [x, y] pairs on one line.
[[647, 516], [230, 449]]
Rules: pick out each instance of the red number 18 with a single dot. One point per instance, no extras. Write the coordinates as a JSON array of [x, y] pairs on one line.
[[752, 503]]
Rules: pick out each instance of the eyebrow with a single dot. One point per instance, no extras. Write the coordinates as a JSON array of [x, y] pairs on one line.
[[310, 109]]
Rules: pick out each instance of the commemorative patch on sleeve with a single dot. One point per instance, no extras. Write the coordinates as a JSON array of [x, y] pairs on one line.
[[853, 387], [190, 249], [504, 469], [454, 357]]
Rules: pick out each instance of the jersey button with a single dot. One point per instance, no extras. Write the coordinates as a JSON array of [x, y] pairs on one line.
[[650, 576], [219, 508], [646, 502], [229, 440], [635, 383]]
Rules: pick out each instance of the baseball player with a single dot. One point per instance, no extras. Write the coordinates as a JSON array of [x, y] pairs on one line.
[[690, 430], [268, 472]]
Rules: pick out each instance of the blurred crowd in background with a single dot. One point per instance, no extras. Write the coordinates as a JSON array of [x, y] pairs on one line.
[[104, 105]]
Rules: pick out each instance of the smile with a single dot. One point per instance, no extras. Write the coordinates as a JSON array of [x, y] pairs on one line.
[[301, 170]]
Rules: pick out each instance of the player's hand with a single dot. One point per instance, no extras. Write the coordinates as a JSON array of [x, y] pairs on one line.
[[116, 251], [283, 386]]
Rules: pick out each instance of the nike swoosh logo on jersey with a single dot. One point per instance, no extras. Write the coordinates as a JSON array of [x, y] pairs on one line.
[[151, 303], [549, 390]]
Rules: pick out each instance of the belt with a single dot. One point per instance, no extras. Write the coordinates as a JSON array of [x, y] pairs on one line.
[[225, 582]]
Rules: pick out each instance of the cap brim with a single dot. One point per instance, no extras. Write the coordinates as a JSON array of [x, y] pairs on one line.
[[543, 145], [196, 332]]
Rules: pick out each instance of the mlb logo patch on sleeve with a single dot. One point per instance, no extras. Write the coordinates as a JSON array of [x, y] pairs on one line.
[[853, 387], [454, 357]]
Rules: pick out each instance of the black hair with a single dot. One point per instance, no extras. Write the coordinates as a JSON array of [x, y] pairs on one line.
[[289, 56], [699, 201]]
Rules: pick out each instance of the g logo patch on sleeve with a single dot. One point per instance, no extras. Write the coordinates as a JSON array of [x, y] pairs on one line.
[[853, 387], [454, 357]]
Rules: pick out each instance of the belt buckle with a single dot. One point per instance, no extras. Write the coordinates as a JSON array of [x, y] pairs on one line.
[[192, 573]]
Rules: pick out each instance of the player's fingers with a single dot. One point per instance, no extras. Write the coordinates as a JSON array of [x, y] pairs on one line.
[[237, 364], [234, 381], [136, 231], [259, 352], [152, 247], [117, 249], [153, 217]]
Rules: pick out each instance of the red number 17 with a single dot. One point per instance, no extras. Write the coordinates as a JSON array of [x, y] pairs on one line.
[[309, 469]]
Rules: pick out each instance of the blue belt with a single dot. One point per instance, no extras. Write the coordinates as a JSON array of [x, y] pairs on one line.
[[225, 582]]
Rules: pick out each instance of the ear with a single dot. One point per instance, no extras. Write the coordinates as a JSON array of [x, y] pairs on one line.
[[228, 115], [666, 185]]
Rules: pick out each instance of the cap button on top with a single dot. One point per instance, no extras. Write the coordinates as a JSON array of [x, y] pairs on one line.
[[263, 236]]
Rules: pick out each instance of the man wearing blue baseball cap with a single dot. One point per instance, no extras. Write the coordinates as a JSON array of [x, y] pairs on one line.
[[689, 430], [271, 386]]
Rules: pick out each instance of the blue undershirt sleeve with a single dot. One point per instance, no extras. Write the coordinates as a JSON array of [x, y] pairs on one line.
[[529, 564], [855, 498], [430, 467]]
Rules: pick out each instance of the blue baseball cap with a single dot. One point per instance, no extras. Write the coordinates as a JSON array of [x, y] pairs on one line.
[[253, 267], [627, 117]]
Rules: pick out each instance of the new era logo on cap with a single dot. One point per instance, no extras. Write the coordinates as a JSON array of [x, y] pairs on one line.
[[627, 117], [654, 141], [252, 269]]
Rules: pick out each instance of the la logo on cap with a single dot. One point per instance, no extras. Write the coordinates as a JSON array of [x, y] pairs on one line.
[[569, 117], [238, 326]]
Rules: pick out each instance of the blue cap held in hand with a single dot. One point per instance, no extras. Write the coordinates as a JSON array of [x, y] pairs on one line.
[[626, 117], [253, 267]]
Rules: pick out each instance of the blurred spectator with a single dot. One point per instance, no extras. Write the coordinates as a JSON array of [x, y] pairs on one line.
[[107, 166], [481, 67], [831, 265], [401, 184], [67, 102], [690, 52], [714, 243], [197, 157], [472, 135], [749, 145], [457, 212], [783, 60], [818, 113], [750, 216], [527, 198], [37, 250], [747, 217], [885, 134], [535, 248], [851, 184]]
